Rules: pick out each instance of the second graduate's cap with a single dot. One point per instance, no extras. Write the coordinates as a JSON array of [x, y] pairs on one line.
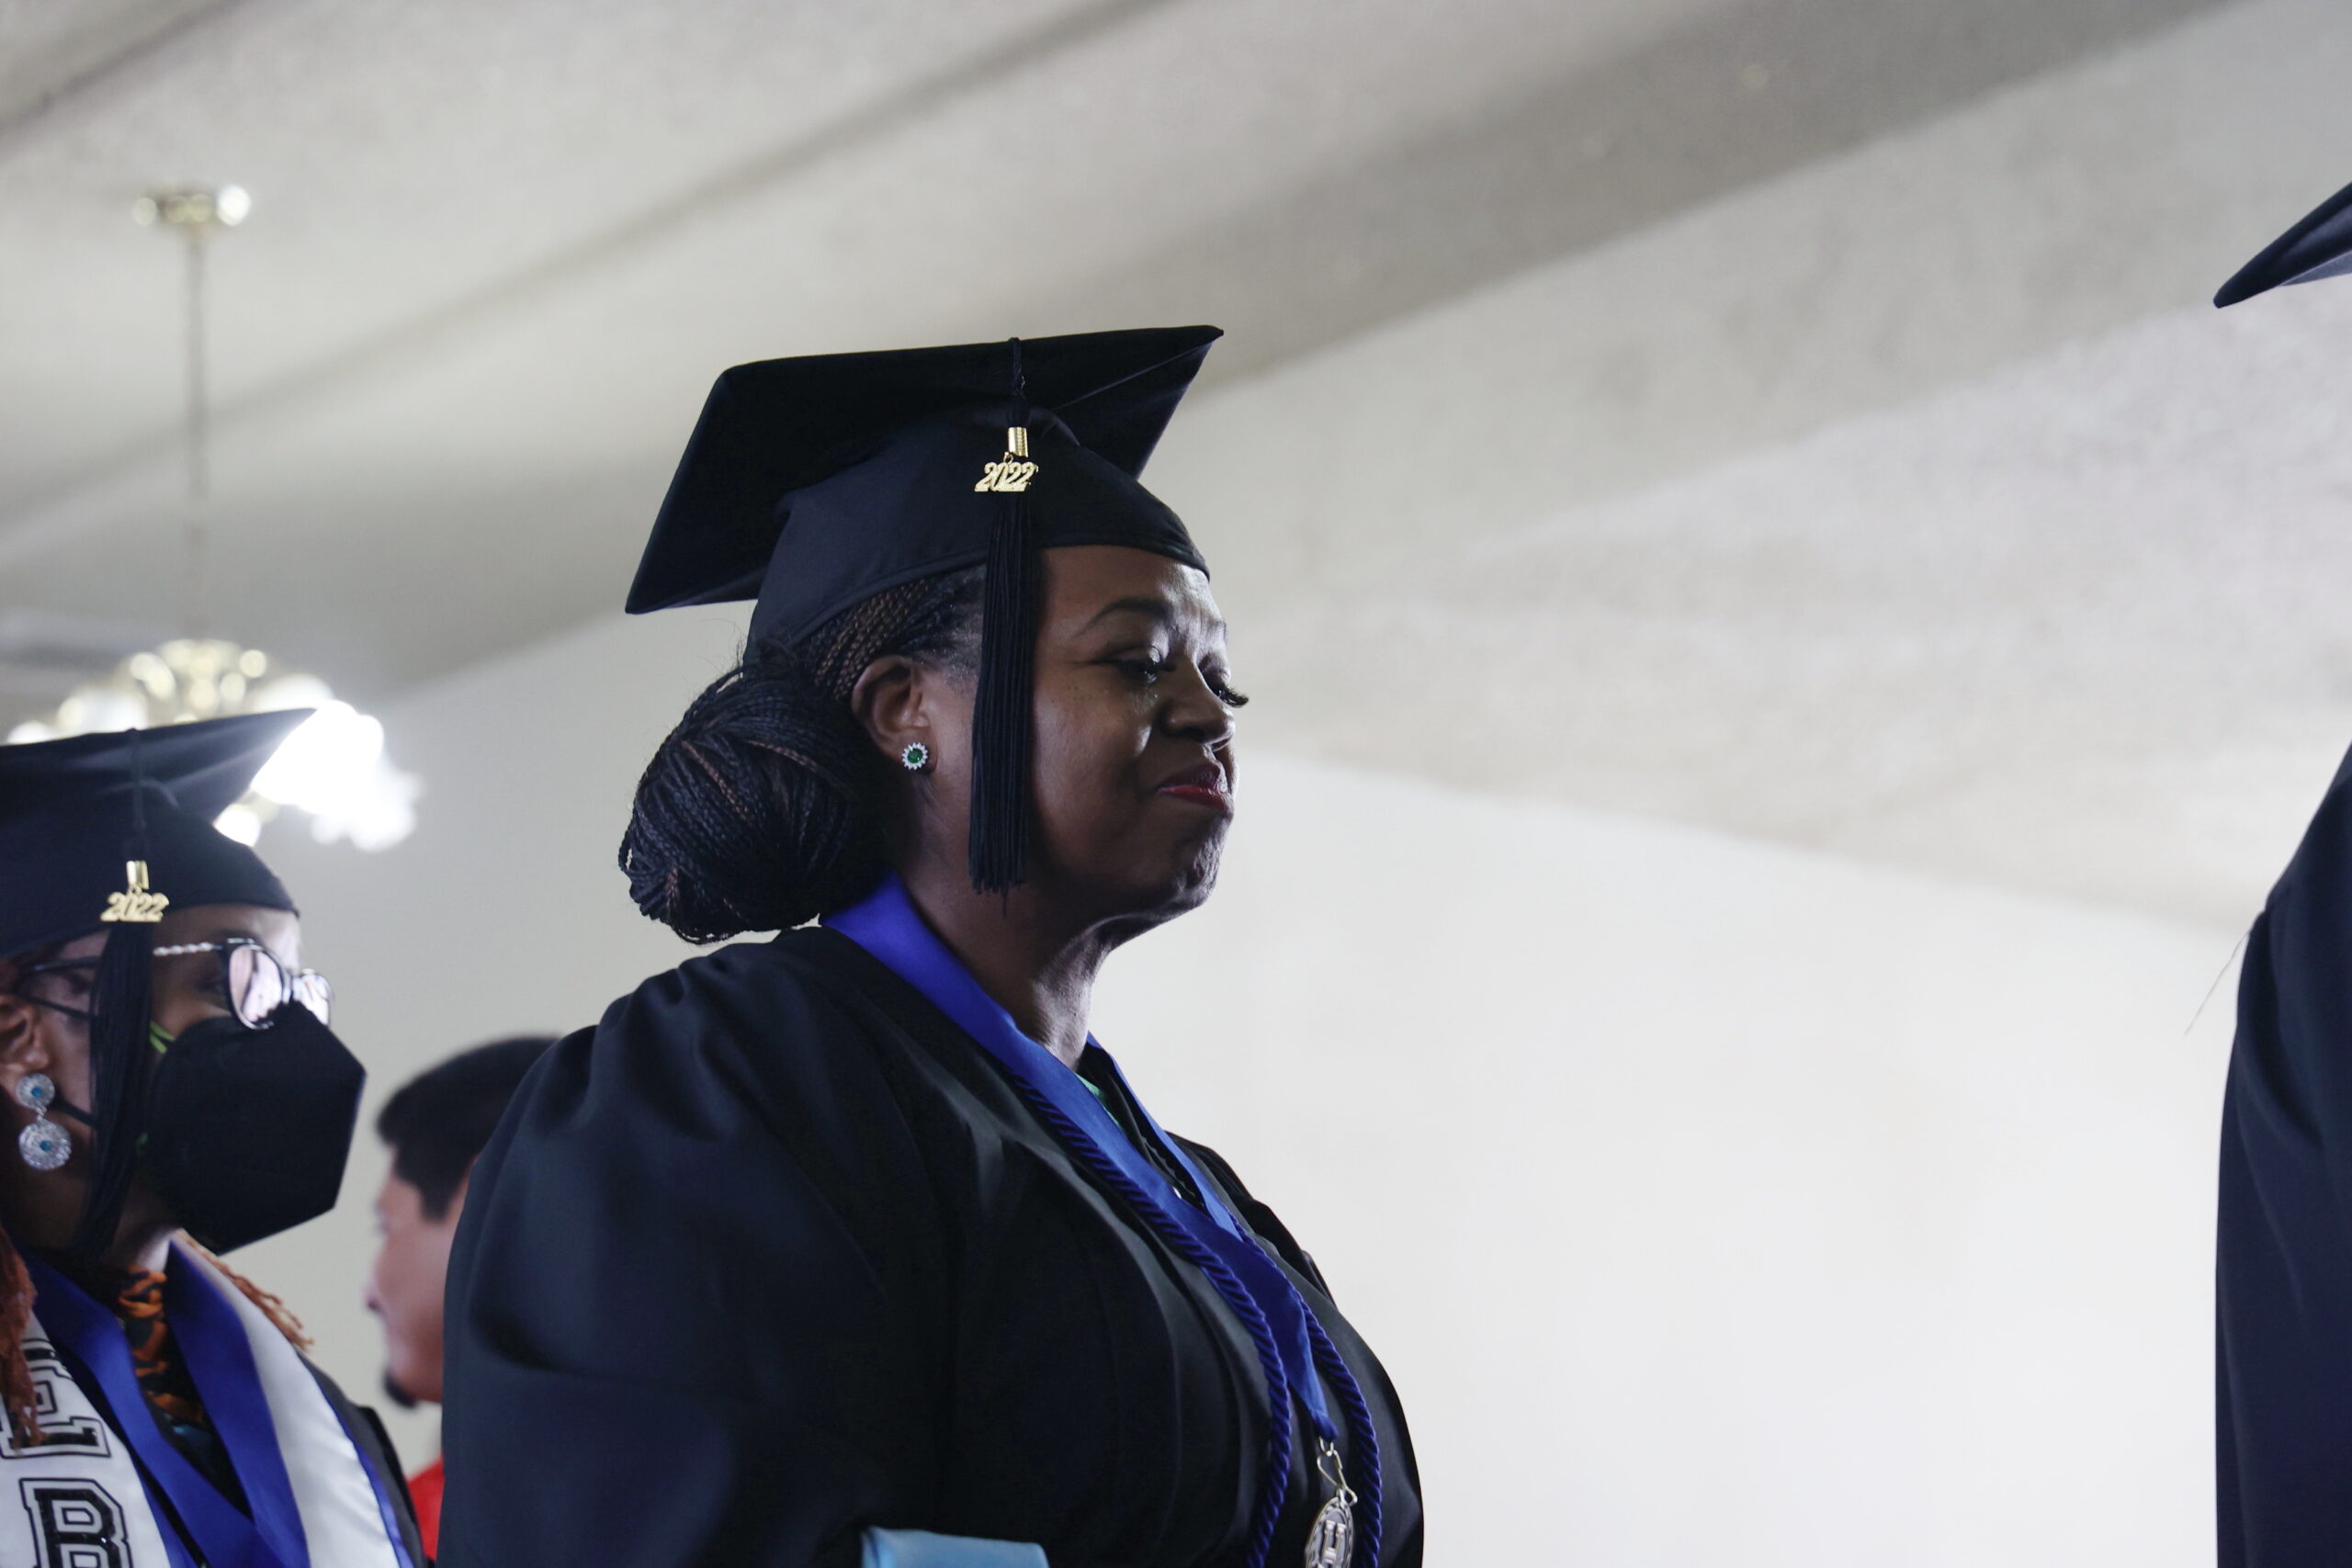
[[2320, 246], [812, 484], [87, 821]]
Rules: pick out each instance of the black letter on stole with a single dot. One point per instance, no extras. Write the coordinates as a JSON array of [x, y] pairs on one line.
[[75, 1525]]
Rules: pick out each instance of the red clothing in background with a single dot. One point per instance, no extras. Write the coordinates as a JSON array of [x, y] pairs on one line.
[[424, 1490]]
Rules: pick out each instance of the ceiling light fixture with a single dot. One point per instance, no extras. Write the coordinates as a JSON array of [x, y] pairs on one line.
[[332, 767]]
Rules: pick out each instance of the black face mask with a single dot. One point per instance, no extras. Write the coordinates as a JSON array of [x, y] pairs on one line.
[[248, 1129]]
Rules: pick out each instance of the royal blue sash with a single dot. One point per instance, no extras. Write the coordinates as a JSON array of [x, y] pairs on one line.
[[220, 1363], [1291, 1345]]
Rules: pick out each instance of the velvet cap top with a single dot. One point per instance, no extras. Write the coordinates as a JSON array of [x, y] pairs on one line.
[[73, 811], [2320, 246], [811, 484]]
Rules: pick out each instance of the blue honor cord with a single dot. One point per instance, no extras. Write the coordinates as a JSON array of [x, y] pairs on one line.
[[1292, 1344]]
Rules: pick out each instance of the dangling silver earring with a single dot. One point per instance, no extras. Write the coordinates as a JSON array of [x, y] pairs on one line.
[[44, 1145], [916, 757]]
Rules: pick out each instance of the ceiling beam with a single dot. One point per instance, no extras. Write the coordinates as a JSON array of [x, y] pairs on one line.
[[95, 43]]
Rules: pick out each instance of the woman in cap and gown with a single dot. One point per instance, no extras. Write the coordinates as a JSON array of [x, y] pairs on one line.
[[2284, 1346], [174, 1092], [854, 1247]]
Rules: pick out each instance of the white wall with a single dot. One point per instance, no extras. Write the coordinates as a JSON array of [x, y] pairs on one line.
[[1713, 1203], [1718, 1204]]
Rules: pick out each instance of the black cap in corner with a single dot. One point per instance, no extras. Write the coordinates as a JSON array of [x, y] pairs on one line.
[[73, 811], [2320, 246], [812, 484]]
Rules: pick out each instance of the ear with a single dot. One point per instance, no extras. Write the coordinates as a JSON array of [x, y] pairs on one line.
[[890, 702], [24, 1040], [449, 1215]]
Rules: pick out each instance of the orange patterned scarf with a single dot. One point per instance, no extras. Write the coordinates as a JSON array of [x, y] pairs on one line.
[[140, 1304]]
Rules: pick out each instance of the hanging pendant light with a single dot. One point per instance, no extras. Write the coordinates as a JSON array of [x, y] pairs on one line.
[[332, 768]]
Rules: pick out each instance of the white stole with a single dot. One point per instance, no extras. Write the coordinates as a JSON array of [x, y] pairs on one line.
[[76, 1500]]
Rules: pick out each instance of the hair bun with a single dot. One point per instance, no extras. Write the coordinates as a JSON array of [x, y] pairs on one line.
[[759, 811]]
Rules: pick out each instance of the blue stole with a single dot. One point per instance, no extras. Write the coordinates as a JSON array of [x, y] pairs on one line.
[[220, 1361], [1292, 1344]]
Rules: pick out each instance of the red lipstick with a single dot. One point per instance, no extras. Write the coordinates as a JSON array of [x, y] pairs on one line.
[[1202, 785]]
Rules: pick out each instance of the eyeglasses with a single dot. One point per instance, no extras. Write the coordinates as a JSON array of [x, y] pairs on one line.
[[256, 983], [252, 979]]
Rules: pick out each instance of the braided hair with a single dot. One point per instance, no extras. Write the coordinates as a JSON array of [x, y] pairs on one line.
[[763, 808], [18, 1399]]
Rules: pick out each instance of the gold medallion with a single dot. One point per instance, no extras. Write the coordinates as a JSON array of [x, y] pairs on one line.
[[1331, 1543], [1332, 1539]]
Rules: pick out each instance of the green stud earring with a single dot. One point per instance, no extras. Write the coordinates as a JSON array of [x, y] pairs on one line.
[[915, 758]]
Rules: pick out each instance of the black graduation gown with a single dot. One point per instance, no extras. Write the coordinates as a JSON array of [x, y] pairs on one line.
[[2284, 1353], [776, 1253]]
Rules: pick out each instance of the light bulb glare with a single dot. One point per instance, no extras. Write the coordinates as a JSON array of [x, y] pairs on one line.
[[242, 823], [328, 757]]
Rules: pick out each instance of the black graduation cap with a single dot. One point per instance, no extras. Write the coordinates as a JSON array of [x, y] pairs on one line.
[[2320, 246], [812, 484], [74, 812]]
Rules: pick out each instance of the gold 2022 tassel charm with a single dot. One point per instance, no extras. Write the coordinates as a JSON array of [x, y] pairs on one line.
[[136, 903], [1010, 474]]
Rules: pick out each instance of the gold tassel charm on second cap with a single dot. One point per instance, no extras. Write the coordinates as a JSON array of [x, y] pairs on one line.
[[1010, 474], [135, 903]]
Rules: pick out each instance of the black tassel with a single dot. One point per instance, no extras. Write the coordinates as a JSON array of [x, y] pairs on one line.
[[997, 850], [1002, 730], [119, 1058]]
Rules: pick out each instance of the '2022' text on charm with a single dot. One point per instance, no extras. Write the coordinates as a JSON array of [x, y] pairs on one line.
[[136, 904], [1332, 1539], [1010, 474]]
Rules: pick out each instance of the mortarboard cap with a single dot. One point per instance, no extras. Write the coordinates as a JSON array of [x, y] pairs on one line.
[[812, 484], [72, 812], [2320, 246]]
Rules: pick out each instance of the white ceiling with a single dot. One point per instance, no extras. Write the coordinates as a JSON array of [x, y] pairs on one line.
[[1792, 415]]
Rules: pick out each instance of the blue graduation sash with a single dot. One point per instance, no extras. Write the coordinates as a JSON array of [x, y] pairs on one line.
[[220, 1361], [1291, 1341]]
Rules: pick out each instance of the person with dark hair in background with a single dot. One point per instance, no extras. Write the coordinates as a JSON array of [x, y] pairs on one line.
[[174, 1092], [854, 1247], [435, 1124], [2284, 1274]]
